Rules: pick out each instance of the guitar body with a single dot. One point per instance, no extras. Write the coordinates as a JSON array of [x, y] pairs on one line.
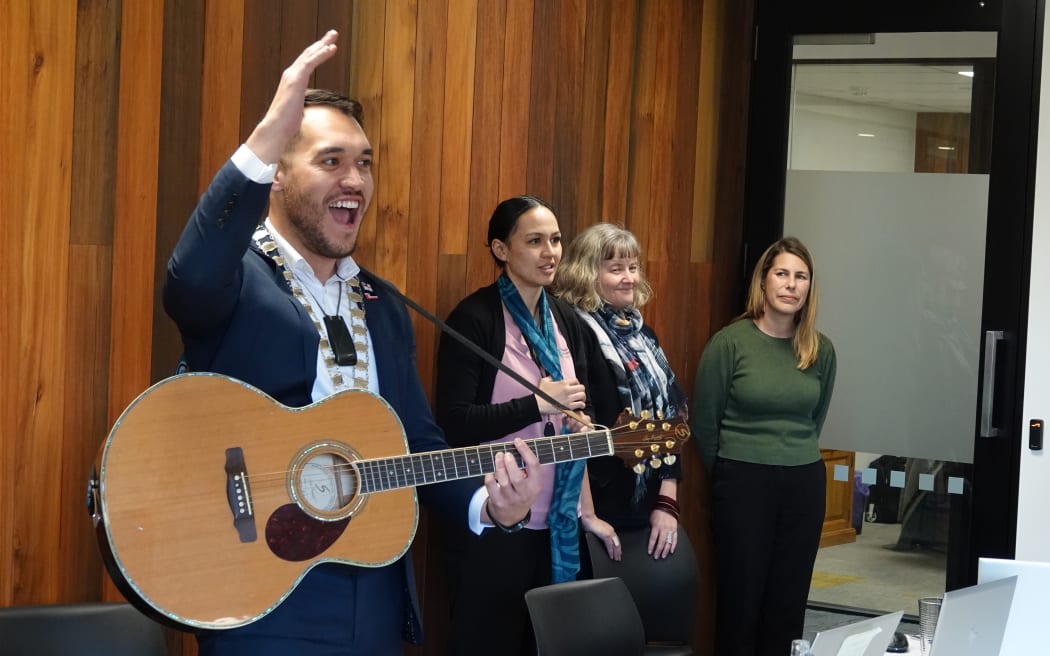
[[169, 487]]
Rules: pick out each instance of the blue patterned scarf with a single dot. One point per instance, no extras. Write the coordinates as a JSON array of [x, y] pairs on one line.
[[568, 476]]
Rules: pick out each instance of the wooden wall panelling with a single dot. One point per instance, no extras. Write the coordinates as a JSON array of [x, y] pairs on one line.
[[135, 212], [220, 106], [483, 190], [367, 43], [593, 102], [423, 279], [640, 155], [335, 14], [517, 82], [38, 72], [543, 96], [456, 124], [734, 41], [568, 34], [262, 57], [85, 418], [395, 145], [179, 167], [619, 99], [298, 29]]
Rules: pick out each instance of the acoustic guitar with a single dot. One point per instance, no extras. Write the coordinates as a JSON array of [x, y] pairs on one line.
[[211, 500]]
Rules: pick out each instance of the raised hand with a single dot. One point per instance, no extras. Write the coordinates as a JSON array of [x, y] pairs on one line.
[[285, 115]]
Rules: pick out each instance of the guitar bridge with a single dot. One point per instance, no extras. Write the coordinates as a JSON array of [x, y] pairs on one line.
[[239, 495]]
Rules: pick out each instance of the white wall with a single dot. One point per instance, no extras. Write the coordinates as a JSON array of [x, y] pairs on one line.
[[1033, 527], [824, 136]]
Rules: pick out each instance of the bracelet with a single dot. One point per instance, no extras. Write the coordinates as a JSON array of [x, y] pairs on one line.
[[667, 504], [513, 528]]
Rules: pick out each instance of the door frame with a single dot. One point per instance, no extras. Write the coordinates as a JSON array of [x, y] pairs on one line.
[[984, 522]]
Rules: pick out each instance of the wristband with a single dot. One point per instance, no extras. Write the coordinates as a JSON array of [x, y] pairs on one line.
[[513, 528]]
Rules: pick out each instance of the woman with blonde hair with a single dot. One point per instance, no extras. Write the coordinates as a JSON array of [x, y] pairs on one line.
[[762, 393], [601, 275]]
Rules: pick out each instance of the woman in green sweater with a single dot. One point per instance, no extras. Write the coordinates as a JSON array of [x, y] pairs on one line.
[[762, 393]]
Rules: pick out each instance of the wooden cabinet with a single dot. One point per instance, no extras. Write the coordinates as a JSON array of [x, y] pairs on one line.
[[838, 515]]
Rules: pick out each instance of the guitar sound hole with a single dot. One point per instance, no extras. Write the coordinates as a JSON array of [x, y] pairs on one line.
[[327, 483]]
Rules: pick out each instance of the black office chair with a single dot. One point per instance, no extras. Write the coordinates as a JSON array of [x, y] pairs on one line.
[[595, 617], [85, 629], [664, 591]]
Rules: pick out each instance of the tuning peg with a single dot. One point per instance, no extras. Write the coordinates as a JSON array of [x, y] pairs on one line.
[[639, 453], [660, 415], [639, 468], [655, 448], [645, 414], [655, 462], [670, 459]]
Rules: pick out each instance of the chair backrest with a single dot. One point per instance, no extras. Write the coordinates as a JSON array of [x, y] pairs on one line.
[[595, 617], [664, 590], [86, 629]]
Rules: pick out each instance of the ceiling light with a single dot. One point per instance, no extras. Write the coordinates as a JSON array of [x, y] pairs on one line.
[[945, 147], [966, 73], [866, 134]]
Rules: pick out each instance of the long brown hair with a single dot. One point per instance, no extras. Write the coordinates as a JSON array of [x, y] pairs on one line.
[[807, 339]]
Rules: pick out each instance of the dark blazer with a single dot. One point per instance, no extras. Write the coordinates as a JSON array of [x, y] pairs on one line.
[[237, 317]]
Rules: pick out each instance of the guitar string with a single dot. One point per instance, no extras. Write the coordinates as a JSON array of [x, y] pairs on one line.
[[576, 440]]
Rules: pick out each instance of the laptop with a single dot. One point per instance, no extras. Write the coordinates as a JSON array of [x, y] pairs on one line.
[[1030, 613], [865, 638], [973, 619]]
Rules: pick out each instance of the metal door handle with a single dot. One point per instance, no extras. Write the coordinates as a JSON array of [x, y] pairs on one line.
[[991, 344]]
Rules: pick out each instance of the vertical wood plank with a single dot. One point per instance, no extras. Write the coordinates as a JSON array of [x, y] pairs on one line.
[[666, 28], [459, 115], [568, 118], [85, 420], [485, 148], [427, 179], [639, 175], [95, 123], [367, 43], [40, 68], [15, 69], [178, 171], [707, 134], [142, 30], [220, 109], [517, 82], [395, 146], [542, 96], [262, 57], [592, 129], [619, 98], [336, 15]]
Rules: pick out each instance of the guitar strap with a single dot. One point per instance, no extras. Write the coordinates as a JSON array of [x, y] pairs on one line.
[[477, 350]]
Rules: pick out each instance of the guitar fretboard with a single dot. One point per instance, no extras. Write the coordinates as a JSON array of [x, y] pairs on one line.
[[381, 474]]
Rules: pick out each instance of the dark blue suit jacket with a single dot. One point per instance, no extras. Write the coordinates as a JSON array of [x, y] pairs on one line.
[[237, 317]]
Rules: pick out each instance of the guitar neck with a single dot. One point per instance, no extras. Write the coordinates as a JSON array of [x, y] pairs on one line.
[[379, 474]]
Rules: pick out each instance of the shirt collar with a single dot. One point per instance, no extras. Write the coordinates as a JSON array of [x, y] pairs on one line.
[[344, 269]]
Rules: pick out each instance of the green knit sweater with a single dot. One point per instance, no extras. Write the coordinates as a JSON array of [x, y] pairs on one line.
[[752, 403]]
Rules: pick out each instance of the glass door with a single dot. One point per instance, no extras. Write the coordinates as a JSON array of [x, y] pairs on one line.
[[892, 165]]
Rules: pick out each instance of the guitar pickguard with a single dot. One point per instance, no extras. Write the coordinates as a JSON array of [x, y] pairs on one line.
[[295, 536]]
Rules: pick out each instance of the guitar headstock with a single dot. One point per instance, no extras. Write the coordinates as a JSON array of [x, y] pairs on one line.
[[647, 440]]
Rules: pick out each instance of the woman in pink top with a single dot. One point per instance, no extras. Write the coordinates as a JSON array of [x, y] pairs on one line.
[[540, 338]]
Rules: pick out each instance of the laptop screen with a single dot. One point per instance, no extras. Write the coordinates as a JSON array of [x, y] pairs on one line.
[[865, 638], [973, 620], [1030, 613]]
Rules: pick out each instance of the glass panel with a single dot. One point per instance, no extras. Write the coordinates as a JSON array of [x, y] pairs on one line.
[[887, 185]]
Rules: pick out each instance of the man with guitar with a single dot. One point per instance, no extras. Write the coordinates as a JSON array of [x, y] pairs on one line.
[[286, 309]]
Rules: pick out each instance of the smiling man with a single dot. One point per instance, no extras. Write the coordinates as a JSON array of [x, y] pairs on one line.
[[283, 306]]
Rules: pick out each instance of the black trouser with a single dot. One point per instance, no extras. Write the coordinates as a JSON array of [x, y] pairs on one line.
[[767, 525], [488, 576]]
